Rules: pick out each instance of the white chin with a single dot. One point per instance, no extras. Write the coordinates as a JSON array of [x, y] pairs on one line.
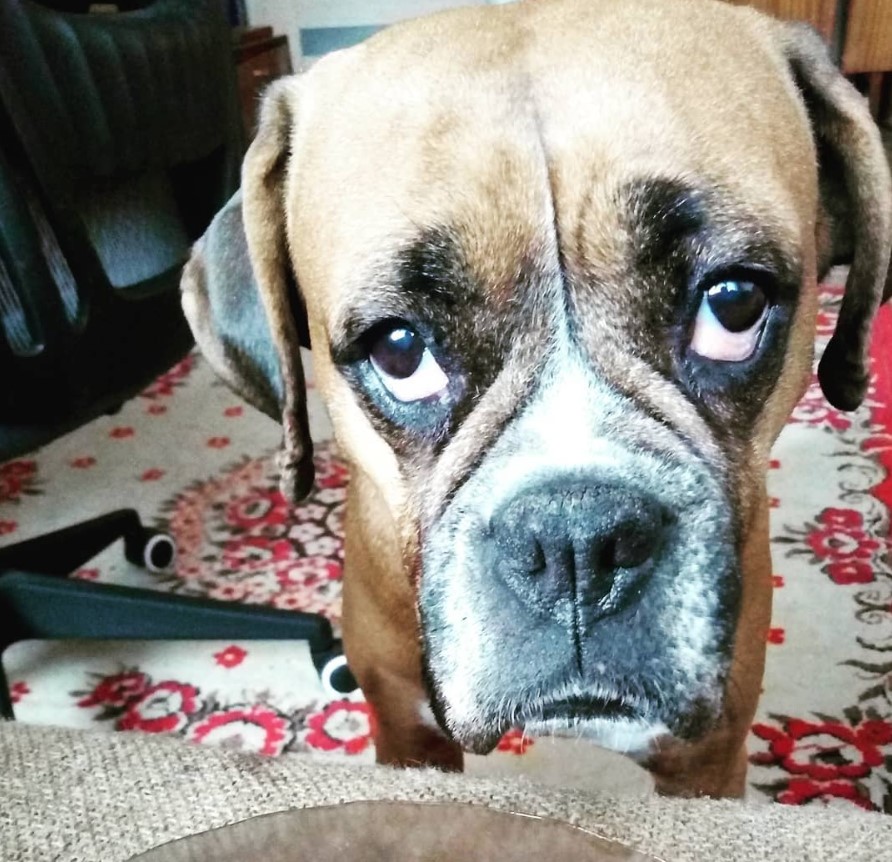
[[633, 737]]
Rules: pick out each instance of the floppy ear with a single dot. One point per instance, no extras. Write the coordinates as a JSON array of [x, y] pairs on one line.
[[223, 307], [241, 300], [856, 207]]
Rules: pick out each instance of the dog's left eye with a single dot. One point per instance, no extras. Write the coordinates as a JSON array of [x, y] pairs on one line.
[[729, 320], [404, 364]]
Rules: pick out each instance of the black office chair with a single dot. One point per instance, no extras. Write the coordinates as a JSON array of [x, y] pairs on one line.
[[120, 138]]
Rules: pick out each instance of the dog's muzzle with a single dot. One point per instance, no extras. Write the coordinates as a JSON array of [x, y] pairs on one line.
[[583, 577]]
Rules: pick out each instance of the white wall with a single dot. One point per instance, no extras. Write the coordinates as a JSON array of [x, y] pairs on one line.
[[289, 16]]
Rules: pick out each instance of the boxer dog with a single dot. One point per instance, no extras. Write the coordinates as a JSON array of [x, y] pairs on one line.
[[559, 261]]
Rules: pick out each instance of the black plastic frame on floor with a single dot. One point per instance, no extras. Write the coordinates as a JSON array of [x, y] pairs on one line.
[[38, 600]]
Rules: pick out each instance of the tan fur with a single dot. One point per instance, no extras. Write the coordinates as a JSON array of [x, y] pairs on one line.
[[518, 124]]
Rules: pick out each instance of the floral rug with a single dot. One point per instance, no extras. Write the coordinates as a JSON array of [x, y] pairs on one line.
[[196, 461]]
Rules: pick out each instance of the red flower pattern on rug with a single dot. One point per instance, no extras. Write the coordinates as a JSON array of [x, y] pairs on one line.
[[132, 701], [232, 656], [18, 690], [239, 539], [846, 548], [342, 726], [245, 727], [167, 384], [828, 758], [162, 708], [824, 758], [515, 742], [841, 537], [18, 479], [117, 690], [813, 409]]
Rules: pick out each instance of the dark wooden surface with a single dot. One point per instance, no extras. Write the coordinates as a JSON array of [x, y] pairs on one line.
[[820, 13], [868, 41], [260, 58]]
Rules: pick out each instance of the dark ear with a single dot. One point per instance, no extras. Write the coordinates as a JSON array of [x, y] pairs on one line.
[[856, 208], [223, 307], [241, 301]]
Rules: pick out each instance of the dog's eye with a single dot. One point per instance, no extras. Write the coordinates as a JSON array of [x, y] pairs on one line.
[[405, 364], [729, 321]]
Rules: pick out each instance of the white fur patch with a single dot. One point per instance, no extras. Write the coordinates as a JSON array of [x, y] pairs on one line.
[[558, 423], [426, 714]]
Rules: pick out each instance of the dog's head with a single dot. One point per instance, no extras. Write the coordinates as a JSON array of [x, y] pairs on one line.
[[559, 262]]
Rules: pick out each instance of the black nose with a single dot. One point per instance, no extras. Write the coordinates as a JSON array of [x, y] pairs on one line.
[[577, 550]]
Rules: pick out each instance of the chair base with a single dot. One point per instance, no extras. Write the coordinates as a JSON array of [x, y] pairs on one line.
[[37, 600]]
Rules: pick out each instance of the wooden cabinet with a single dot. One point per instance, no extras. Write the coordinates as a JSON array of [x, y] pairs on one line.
[[259, 58], [858, 31], [868, 39], [819, 13], [866, 42]]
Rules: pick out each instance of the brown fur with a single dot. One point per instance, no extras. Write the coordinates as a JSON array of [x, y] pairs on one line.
[[521, 127]]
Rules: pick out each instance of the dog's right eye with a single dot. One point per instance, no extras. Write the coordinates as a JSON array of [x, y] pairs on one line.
[[729, 321], [405, 364]]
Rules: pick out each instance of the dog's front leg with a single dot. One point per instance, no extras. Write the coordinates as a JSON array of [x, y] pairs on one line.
[[714, 766], [405, 732], [381, 643]]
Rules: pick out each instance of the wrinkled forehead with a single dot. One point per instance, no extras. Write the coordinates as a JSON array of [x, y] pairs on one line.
[[400, 158], [523, 138]]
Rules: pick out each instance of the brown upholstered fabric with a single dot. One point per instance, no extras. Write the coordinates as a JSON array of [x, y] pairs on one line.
[[75, 796]]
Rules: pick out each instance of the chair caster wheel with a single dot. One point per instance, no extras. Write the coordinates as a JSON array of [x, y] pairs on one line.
[[337, 680], [151, 550]]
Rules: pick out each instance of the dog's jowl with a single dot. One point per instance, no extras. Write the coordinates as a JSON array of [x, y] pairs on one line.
[[559, 262]]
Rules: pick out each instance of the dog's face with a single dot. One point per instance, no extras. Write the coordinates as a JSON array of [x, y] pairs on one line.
[[559, 263]]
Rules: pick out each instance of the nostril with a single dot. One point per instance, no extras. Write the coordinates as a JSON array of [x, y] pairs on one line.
[[531, 558], [633, 548], [607, 556], [537, 561]]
